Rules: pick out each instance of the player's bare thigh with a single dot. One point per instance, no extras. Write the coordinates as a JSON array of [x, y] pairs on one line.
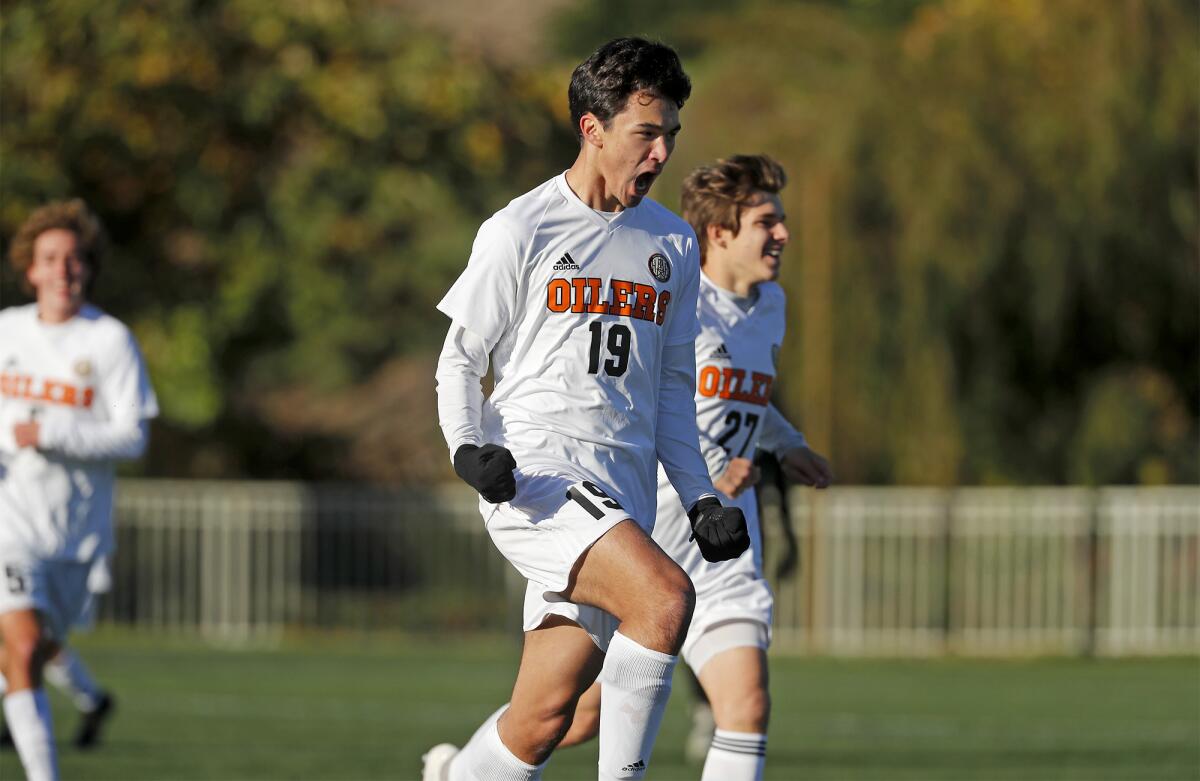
[[625, 573], [736, 683], [24, 648]]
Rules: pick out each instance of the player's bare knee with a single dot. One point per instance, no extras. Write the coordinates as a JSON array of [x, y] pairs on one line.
[[676, 600], [748, 712], [688, 595], [554, 712], [548, 727], [757, 708], [24, 657]]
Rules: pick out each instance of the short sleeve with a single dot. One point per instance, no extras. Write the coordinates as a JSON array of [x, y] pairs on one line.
[[484, 296], [125, 387], [684, 326]]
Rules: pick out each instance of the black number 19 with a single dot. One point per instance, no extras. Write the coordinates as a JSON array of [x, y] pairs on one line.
[[587, 504], [619, 341]]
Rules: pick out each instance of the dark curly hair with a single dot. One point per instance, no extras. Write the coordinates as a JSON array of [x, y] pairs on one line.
[[603, 82], [73, 215], [716, 194]]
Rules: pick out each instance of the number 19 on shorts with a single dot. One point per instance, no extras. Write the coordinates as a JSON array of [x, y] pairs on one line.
[[615, 347]]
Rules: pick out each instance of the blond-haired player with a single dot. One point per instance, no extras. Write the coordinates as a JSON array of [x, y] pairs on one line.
[[735, 208], [75, 398], [583, 293]]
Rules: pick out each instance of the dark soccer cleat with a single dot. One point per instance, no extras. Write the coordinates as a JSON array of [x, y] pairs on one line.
[[87, 735]]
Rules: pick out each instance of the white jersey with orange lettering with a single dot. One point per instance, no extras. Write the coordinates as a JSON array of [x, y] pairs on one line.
[[576, 308], [85, 384], [736, 354]]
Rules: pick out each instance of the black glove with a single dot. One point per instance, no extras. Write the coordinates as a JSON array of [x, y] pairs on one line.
[[719, 531], [487, 469]]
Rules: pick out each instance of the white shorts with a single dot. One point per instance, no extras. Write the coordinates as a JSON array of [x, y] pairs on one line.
[[741, 598], [543, 532], [56, 589]]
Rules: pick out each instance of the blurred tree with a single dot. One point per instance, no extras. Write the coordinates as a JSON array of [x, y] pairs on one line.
[[878, 13], [290, 187], [1043, 181], [1007, 193], [581, 28], [994, 206], [1133, 424]]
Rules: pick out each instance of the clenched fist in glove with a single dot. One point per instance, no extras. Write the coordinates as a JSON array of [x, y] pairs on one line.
[[487, 469], [719, 531]]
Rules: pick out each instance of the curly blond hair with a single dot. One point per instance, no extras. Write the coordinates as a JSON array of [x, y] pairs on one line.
[[73, 215], [716, 194]]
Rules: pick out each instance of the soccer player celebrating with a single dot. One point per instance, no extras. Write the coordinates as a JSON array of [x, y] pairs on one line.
[[583, 291], [735, 209], [74, 399]]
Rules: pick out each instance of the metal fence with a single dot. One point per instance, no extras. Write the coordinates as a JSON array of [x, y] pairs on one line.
[[995, 571], [893, 571]]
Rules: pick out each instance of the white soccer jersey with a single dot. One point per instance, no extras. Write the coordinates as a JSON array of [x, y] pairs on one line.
[[577, 309], [736, 354], [84, 374]]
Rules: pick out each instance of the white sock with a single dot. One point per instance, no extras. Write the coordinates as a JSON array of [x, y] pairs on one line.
[[28, 715], [735, 756], [3, 684], [635, 685], [69, 675], [486, 758]]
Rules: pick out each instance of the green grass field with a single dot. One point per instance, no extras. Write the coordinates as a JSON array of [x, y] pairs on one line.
[[354, 708]]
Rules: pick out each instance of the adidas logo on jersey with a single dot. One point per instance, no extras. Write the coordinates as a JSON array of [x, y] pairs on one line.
[[566, 263], [720, 354], [639, 765]]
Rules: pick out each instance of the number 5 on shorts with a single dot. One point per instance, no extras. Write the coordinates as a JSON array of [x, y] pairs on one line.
[[578, 496], [15, 578]]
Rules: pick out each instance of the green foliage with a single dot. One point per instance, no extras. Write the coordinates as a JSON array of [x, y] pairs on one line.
[[1133, 428], [1010, 192], [582, 28], [993, 276], [290, 187]]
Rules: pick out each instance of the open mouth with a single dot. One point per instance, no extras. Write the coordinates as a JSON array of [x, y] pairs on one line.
[[641, 184]]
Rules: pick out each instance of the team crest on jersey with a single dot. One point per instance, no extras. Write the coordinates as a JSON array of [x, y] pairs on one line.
[[83, 367], [660, 267]]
